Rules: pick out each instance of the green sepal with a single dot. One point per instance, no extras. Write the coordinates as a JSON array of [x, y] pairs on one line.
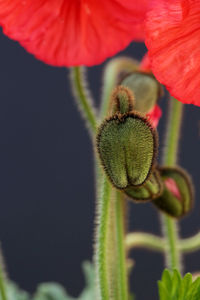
[[150, 190], [146, 90], [127, 146], [168, 202]]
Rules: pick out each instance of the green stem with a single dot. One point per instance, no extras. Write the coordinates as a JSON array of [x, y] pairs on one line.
[[145, 240], [82, 96], [2, 280], [170, 226], [190, 244], [120, 246], [101, 240]]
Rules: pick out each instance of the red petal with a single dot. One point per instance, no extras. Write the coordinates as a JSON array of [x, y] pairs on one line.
[[173, 35], [145, 64], [173, 188], [73, 32], [154, 115]]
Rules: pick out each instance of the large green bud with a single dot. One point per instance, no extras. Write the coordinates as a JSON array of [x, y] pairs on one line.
[[126, 142], [150, 190], [146, 89], [177, 197]]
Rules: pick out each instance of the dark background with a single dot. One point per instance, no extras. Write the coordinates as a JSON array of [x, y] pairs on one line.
[[47, 180]]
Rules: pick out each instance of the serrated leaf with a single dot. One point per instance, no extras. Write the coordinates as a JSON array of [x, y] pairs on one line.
[[174, 287], [13, 292], [185, 284], [194, 291], [176, 280], [54, 291], [166, 279], [51, 291], [163, 292]]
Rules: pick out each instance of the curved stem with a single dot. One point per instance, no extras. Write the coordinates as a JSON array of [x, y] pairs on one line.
[[170, 226], [2, 280], [82, 96], [145, 240], [120, 246], [190, 244], [113, 70]]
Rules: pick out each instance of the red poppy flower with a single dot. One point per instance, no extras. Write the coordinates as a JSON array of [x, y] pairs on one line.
[[172, 38], [73, 32]]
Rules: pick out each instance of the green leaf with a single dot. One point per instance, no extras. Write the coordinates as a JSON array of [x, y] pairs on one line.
[[54, 291], [173, 287], [14, 293]]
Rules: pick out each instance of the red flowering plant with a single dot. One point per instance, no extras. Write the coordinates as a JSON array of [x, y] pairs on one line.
[[124, 130]]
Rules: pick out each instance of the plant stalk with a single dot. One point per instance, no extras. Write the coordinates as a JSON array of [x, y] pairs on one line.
[[145, 240], [3, 293], [102, 234], [170, 226], [120, 208], [83, 97]]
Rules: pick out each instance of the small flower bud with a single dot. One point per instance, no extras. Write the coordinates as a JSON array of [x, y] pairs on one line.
[[150, 190], [146, 90], [177, 197], [122, 100], [127, 146]]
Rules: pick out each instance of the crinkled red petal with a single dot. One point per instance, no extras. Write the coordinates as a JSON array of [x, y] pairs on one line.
[[173, 41], [73, 32]]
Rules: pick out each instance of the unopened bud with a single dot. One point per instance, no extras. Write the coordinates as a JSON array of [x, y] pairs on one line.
[[146, 90], [177, 197], [127, 146], [150, 190], [122, 100]]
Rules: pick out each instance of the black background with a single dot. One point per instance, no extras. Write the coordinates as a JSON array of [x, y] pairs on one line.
[[47, 181]]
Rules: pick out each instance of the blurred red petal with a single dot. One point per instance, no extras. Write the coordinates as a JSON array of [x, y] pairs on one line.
[[73, 32], [154, 115], [172, 38], [145, 64]]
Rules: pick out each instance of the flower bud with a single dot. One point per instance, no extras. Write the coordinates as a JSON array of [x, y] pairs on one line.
[[122, 100], [150, 190], [127, 146], [177, 197], [146, 90]]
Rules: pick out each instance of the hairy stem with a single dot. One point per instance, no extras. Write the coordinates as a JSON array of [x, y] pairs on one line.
[[145, 240], [102, 239], [120, 246], [170, 226], [82, 96]]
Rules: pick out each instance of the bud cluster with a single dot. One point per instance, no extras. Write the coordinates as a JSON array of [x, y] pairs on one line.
[[127, 144]]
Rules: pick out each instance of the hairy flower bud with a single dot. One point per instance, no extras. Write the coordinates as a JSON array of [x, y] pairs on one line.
[[122, 101], [177, 197], [150, 190], [146, 89], [127, 146]]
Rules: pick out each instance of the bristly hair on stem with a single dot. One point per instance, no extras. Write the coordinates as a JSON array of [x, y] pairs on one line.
[[83, 97]]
